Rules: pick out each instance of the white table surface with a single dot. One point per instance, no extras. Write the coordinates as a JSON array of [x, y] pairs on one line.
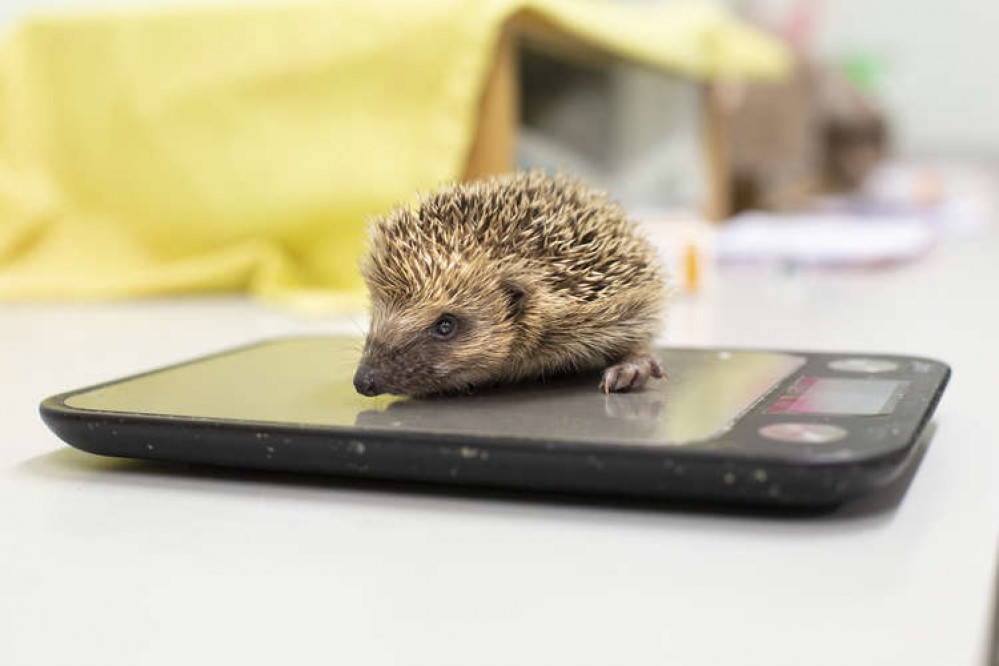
[[113, 562]]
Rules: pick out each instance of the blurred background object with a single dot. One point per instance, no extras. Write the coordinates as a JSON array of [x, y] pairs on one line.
[[789, 141], [634, 131], [865, 156], [822, 167], [928, 63], [157, 147], [241, 147]]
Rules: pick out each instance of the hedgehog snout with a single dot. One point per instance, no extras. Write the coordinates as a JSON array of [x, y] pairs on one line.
[[369, 381]]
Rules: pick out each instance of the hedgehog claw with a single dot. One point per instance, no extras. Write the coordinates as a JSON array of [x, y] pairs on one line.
[[632, 373], [609, 379]]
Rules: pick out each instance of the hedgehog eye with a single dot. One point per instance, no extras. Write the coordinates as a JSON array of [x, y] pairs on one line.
[[445, 327]]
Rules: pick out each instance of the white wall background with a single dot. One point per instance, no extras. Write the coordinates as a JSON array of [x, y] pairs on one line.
[[941, 58], [941, 62]]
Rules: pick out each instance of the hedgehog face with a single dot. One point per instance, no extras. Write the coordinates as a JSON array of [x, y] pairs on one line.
[[418, 347]]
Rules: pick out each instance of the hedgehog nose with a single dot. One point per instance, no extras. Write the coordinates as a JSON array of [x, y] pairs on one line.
[[368, 381]]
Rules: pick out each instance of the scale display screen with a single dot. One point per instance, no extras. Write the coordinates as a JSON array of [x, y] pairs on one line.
[[835, 395]]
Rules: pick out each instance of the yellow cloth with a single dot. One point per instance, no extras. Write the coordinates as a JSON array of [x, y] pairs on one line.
[[241, 148]]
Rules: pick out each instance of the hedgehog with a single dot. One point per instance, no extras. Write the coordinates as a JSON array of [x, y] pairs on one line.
[[513, 278]]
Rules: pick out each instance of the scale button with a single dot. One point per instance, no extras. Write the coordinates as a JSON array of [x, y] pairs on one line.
[[863, 365], [804, 433]]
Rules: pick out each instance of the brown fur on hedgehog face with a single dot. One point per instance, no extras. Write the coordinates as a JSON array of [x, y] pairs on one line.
[[405, 354]]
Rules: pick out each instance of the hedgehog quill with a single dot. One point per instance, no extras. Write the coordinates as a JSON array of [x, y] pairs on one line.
[[511, 278]]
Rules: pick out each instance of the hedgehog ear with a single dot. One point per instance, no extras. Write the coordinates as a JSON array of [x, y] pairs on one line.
[[516, 296]]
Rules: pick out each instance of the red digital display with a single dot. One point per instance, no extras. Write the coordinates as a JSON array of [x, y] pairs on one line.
[[833, 395]]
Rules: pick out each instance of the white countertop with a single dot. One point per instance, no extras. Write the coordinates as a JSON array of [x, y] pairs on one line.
[[115, 562]]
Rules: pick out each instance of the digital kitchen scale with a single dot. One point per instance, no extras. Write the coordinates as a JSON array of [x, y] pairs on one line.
[[737, 426]]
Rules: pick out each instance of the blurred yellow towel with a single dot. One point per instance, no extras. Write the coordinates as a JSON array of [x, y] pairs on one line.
[[241, 148]]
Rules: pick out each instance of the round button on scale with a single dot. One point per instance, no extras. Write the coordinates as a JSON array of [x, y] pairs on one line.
[[803, 433], [866, 365]]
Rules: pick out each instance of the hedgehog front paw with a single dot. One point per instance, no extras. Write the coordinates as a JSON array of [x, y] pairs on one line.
[[630, 374]]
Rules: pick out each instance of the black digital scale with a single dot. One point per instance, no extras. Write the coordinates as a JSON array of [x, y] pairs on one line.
[[738, 426]]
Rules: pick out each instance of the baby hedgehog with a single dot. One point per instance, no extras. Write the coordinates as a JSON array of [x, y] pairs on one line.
[[516, 277]]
